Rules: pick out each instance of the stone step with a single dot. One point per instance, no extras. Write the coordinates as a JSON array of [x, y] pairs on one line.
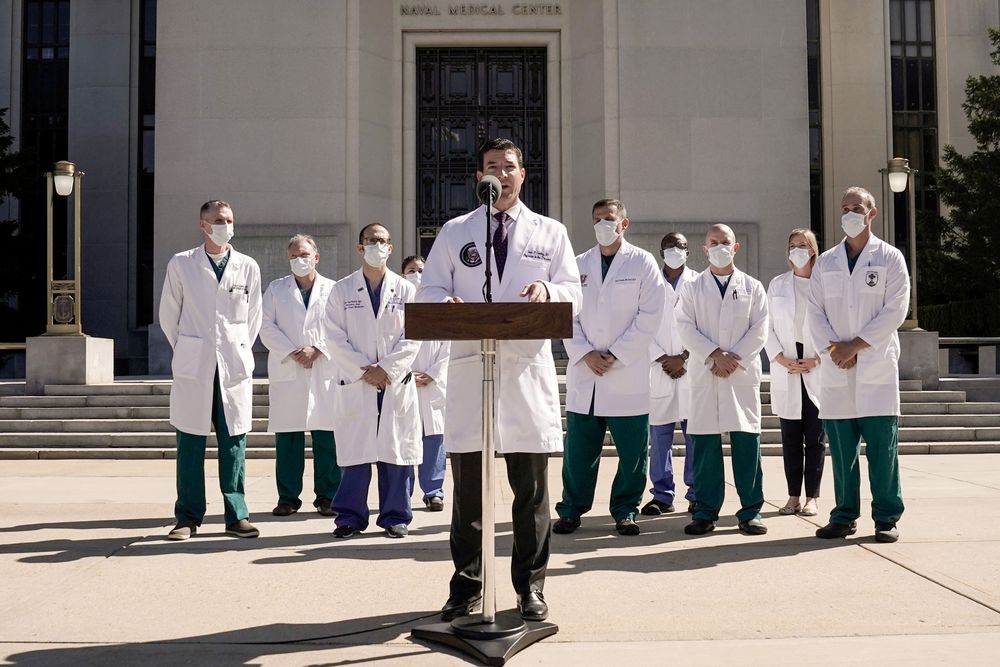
[[43, 452], [162, 386], [159, 433]]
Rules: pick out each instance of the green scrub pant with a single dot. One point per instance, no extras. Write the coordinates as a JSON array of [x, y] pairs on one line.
[[881, 436], [190, 505], [710, 477], [584, 444], [290, 453]]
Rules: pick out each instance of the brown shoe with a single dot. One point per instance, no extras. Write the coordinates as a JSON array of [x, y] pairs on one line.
[[283, 510], [242, 528], [183, 530], [434, 504], [323, 507]]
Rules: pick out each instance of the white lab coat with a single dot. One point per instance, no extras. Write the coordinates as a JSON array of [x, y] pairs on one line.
[[670, 400], [620, 314], [211, 324], [433, 360], [786, 388], [300, 399], [735, 323], [527, 411], [869, 303], [356, 338]]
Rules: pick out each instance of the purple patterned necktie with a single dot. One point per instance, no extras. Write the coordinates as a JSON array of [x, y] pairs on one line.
[[500, 243]]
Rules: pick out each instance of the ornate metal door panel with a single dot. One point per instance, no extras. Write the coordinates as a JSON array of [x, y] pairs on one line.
[[465, 96]]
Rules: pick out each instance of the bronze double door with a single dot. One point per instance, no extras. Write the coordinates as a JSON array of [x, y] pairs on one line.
[[465, 96]]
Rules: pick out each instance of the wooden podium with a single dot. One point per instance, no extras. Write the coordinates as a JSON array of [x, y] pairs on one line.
[[490, 637]]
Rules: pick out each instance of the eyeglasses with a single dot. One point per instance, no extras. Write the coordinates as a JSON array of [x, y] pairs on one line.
[[376, 241]]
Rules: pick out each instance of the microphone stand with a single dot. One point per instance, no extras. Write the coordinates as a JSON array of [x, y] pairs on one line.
[[488, 285]]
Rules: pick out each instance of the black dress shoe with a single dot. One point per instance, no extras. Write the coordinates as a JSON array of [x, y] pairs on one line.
[[885, 532], [457, 606], [281, 509], [699, 527], [532, 606], [564, 526], [627, 526], [753, 527], [655, 508], [692, 506], [833, 530]]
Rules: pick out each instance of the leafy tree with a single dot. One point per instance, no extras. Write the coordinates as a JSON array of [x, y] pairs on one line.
[[963, 261]]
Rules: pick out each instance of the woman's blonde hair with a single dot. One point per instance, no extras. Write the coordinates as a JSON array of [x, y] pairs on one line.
[[810, 241]]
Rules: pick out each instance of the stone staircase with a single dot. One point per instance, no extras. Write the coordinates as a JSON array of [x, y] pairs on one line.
[[129, 419]]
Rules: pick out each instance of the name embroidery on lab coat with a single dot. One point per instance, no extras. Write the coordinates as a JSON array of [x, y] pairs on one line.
[[469, 255], [354, 304], [538, 255], [625, 280]]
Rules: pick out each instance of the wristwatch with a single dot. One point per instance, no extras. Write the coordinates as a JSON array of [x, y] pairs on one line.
[[685, 354]]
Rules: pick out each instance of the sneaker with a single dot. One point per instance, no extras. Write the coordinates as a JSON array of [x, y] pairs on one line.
[[281, 509], [345, 531], [753, 527], [564, 526], [833, 530], [655, 508], [397, 530], [699, 527], [627, 526], [242, 528], [434, 504], [183, 530], [885, 532], [323, 507]]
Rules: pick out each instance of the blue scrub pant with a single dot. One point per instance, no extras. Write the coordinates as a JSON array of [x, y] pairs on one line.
[[395, 483], [661, 462], [430, 473]]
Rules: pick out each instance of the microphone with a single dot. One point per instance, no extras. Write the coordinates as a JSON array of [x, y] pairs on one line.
[[488, 190]]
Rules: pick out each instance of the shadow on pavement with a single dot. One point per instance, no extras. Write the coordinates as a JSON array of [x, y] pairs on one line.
[[243, 647]]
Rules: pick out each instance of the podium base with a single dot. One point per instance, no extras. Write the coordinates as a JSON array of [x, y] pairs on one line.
[[490, 643]]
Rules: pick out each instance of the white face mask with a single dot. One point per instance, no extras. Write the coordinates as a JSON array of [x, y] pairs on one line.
[[720, 256], [221, 234], [674, 257], [606, 232], [799, 257], [414, 278], [376, 255], [302, 266], [852, 223]]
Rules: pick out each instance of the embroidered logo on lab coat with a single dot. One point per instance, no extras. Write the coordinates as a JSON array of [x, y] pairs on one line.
[[871, 278], [583, 279], [469, 255]]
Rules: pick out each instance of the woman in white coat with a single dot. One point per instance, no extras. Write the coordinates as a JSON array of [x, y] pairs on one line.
[[210, 313], [300, 374], [794, 376], [375, 399], [430, 372], [722, 319]]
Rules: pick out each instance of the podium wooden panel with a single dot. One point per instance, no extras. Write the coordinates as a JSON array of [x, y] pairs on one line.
[[479, 321]]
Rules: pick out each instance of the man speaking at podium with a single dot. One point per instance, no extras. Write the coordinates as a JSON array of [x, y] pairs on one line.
[[534, 262]]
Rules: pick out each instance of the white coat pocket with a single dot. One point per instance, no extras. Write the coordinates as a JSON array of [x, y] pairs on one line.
[[238, 306], [833, 284], [876, 366], [187, 357], [830, 375], [746, 377], [873, 281], [625, 296], [661, 385]]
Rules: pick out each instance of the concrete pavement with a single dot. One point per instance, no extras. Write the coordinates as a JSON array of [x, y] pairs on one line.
[[86, 578]]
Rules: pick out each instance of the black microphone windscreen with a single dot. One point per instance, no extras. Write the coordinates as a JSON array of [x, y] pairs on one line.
[[488, 189]]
